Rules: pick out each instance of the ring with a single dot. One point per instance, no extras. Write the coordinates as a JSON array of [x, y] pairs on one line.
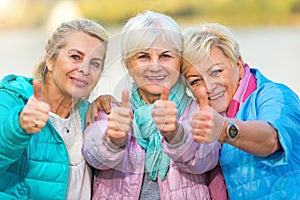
[[36, 124]]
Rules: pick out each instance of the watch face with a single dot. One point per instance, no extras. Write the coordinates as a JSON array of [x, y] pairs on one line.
[[233, 131]]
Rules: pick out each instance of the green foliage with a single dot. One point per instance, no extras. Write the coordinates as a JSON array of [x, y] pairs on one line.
[[239, 12], [116, 12]]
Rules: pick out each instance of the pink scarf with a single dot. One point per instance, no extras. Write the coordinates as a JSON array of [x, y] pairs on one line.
[[246, 86]]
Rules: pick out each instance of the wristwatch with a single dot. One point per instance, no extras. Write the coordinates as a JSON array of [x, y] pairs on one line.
[[232, 131]]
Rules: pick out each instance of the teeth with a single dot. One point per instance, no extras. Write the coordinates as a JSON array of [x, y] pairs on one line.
[[216, 96], [80, 82], [156, 77]]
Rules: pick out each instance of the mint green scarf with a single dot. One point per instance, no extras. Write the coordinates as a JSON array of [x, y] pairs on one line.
[[145, 129]]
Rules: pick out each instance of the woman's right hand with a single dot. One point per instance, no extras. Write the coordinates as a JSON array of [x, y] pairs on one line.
[[119, 122], [35, 113]]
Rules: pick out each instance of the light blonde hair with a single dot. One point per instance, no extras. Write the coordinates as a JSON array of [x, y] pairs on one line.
[[141, 31], [198, 42], [59, 37]]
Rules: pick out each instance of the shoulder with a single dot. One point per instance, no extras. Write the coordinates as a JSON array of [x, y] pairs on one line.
[[19, 85], [267, 89]]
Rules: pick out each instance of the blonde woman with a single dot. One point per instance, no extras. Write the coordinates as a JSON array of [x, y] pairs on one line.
[[257, 120], [42, 120]]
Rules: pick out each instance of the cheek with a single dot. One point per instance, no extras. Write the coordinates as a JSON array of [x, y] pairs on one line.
[[96, 76]]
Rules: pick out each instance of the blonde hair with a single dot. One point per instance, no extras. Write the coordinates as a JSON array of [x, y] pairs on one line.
[[198, 42], [58, 40], [141, 31]]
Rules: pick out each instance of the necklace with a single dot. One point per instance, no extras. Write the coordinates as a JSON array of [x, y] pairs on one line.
[[71, 133], [61, 124]]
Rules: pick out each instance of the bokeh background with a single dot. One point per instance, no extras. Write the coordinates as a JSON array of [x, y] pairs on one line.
[[268, 31]]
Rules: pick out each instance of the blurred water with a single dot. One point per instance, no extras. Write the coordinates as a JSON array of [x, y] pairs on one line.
[[274, 51]]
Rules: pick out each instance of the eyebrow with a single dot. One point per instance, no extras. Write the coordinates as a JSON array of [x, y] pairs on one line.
[[191, 76], [82, 54], [167, 51], [215, 64], [199, 74]]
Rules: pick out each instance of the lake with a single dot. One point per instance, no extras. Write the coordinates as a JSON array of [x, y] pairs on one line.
[[273, 50]]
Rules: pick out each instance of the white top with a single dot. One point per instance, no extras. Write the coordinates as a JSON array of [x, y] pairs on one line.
[[69, 129]]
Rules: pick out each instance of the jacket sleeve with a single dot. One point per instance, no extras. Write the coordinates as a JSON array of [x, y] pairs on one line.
[[13, 138], [279, 106], [94, 148], [191, 156]]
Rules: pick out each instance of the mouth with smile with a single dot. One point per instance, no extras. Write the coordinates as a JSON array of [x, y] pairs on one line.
[[78, 82], [156, 78], [216, 96]]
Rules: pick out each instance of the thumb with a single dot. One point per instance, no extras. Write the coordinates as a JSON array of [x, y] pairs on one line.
[[202, 97], [126, 101], [125, 98], [165, 93], [37, 89]]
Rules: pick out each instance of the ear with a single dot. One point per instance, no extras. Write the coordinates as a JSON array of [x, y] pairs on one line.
[[240, 67], [49, 63]]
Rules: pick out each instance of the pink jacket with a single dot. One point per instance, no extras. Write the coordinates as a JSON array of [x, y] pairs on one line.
[[120, 173]]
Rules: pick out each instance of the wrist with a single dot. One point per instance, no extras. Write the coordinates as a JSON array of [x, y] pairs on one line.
[[176, 136], [230, 132], [113, 144], [223, 136]]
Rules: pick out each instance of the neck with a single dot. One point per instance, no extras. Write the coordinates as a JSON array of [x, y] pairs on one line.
[[60, 104], [148, 98]]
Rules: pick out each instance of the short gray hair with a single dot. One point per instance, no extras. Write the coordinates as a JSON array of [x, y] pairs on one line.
[[141, 31]]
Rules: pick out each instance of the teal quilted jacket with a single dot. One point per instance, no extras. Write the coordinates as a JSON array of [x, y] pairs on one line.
[[31, 166]]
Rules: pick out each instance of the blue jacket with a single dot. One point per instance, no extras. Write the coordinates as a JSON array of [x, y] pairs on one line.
[[32, 166], [276, 176]]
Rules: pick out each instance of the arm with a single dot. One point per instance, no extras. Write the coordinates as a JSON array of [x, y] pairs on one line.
[[191, 156], [13, 138], [95, 150], [259, 135], [276, 124], [18, 122], [104, 140], [178, 143], [259, 141]]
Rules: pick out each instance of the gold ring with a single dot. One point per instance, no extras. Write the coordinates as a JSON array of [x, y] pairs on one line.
[[36, 124]]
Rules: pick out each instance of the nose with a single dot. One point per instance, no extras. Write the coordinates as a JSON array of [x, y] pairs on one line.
[[84, 68], [210, 84], [154, 64]]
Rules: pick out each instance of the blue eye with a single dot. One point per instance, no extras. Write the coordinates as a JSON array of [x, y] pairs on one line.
[[165, 56], [143, 57], [196, 82], [95, 64], [75, 57], [216, 72]]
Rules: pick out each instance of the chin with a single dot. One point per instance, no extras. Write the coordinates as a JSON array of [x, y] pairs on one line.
[[219, 108]]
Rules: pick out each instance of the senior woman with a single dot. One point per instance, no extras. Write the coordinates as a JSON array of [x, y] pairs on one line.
[[42, 120], [156, 157], [257, 120]]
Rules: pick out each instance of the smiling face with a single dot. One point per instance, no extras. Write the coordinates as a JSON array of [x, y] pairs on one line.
[[77, 67], [219, 76], [153, 69]]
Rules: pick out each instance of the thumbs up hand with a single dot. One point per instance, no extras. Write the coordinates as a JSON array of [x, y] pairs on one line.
[[119, 122], [206, 124], [35, 113], [165, 115]]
